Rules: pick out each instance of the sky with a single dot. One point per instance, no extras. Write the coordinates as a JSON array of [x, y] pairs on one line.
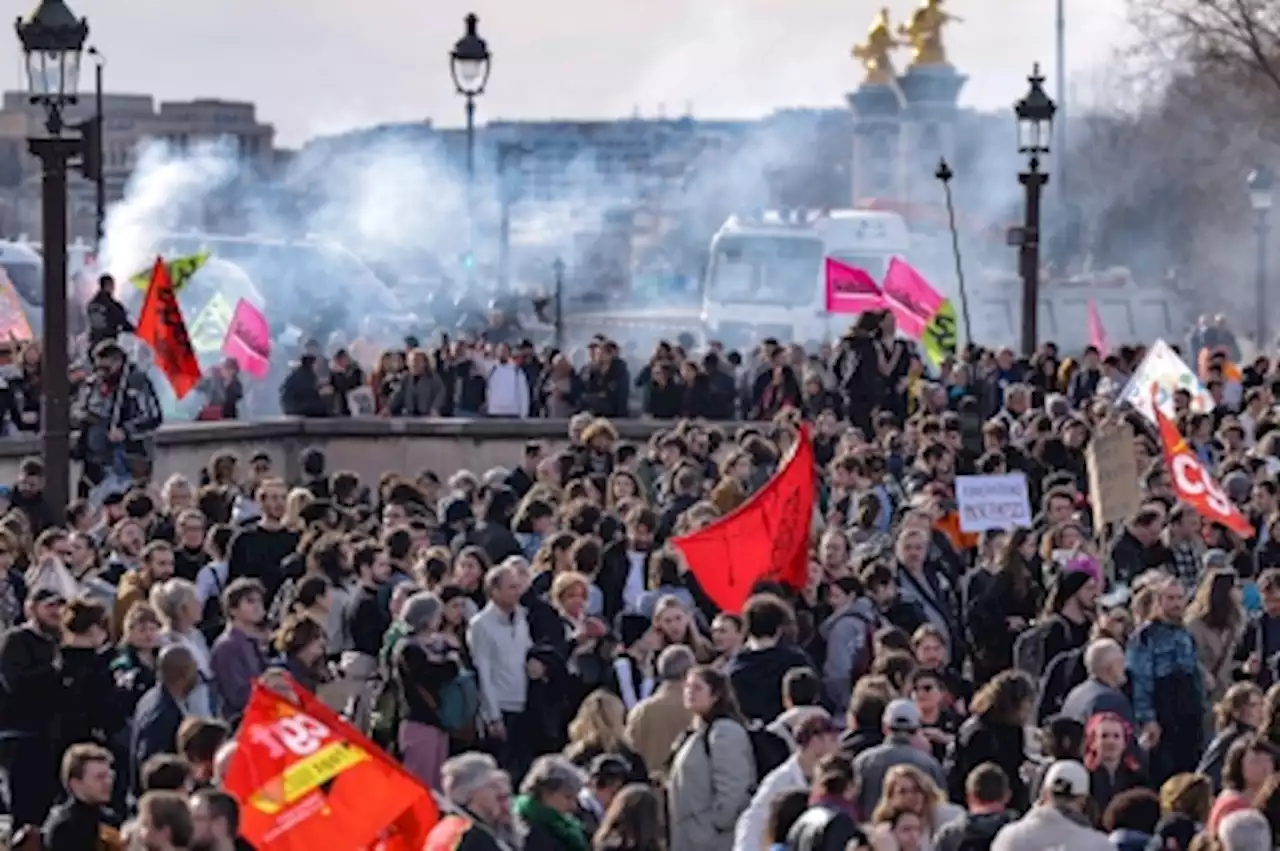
[[323, 66]]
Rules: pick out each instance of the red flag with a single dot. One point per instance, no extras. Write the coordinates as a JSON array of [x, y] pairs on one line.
[[1097, 331], [307, 779], [765, 538], [161, 325], [1192, 482], [850, 289]]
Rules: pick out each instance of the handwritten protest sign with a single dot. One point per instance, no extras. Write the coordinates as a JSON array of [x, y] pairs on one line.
[[1113, 477], [13, 318], [993, 502], [249, 340]]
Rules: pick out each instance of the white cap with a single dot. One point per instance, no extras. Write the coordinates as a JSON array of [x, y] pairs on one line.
[[901, 716], [1067, 778]]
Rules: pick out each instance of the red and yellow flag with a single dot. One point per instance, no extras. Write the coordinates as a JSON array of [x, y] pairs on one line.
[[307, 779]]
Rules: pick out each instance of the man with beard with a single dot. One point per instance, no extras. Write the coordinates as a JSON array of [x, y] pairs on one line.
[[165, 822], [215, 815], [118, 414], [258, 551], [1168, 686], [30, 714]]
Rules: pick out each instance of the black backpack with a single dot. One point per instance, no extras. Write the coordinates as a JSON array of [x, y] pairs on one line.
[[768, 750], [212, 619]]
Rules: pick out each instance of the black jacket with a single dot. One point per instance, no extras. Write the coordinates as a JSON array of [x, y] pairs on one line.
[[71, 826], [982, 739], [300, 395], [107, 318], [36, 695], [757, 678], [155, 729]]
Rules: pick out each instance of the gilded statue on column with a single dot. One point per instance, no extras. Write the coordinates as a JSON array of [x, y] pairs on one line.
[[874, 53], [924, 34]]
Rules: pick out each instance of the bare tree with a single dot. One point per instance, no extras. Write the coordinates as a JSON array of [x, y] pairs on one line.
[[1241, 37]]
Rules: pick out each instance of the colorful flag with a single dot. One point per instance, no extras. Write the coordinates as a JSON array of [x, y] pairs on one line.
[[181, 271], [1097, 331], [1192, 482], [212, 322], [850, 289], [249, 340], [307, 779], [939, 338], [1163, 368], [765, 538], [908, 287], [160, 325], [13, 317]]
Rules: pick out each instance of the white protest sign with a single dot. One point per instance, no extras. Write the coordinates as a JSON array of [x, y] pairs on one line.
[[993, 502], [1163, 368]]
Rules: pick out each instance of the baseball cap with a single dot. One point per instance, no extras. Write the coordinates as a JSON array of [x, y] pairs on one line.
[[901, 716], [1067, 778], [45, 594]]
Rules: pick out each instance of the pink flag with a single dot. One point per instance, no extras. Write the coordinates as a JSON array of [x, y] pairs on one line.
[[904, 284], [1097, 332], [850, 289], [249, 340]]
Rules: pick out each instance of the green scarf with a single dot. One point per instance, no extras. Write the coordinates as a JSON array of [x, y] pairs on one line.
[[566, 829]]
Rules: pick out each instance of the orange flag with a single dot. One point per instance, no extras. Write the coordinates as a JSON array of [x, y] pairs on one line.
[[307, 779], [767, 537], [160, 325], [1193, 483]]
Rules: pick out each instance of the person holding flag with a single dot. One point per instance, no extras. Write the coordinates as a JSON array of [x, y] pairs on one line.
[[118, 414]]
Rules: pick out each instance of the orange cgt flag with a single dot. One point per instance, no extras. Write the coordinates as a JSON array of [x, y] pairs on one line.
[[1193, 483], [160, 325], [306, 779], [767, 537]]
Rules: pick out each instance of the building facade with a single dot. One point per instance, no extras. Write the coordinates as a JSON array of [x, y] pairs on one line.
[[130, 121]]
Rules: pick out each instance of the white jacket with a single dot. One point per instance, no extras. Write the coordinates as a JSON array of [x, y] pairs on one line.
[[507, 391], [748, 834], [1046, 828]]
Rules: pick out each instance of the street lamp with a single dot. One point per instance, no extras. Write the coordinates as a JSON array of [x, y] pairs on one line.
[[944, 174], [469, 63], [1035, 128], [1261, 182], [52, 39], [100, 185]]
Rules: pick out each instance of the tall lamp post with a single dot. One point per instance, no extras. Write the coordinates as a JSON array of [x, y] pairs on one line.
[[944, 174], [100, 185], [469, 63], [52, 39], [1261, 184], [1035, 129]]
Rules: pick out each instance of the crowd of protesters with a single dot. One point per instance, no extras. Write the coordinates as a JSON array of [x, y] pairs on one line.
[[529, 643]]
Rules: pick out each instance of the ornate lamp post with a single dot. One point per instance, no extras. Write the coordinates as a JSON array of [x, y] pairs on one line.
[[100, 185], [469, 63], [1261, 183], [1035, 128], [52, 39]]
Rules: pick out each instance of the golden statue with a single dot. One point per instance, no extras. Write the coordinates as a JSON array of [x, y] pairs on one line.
[[874, 52], [924, 34]]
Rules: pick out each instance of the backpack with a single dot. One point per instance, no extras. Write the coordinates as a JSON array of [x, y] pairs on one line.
[[386, 712], [1028, 650], [212, 619], [768, 750], [866, 655], [459, 704]]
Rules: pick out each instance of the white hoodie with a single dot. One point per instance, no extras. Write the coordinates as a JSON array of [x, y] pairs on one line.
[[507, 391]]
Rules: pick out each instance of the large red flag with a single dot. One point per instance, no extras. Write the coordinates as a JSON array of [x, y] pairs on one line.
[[161, 325], [307, 779], [1193, 483], [767, 537]]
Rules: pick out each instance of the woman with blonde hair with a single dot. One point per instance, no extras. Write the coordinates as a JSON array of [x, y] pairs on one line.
[[674, 625], [178, 605], [907, 788], [1215, 618], [599, 729], [298, 501]]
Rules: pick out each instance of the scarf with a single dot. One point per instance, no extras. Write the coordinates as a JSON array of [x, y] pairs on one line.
[[566, 829]]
